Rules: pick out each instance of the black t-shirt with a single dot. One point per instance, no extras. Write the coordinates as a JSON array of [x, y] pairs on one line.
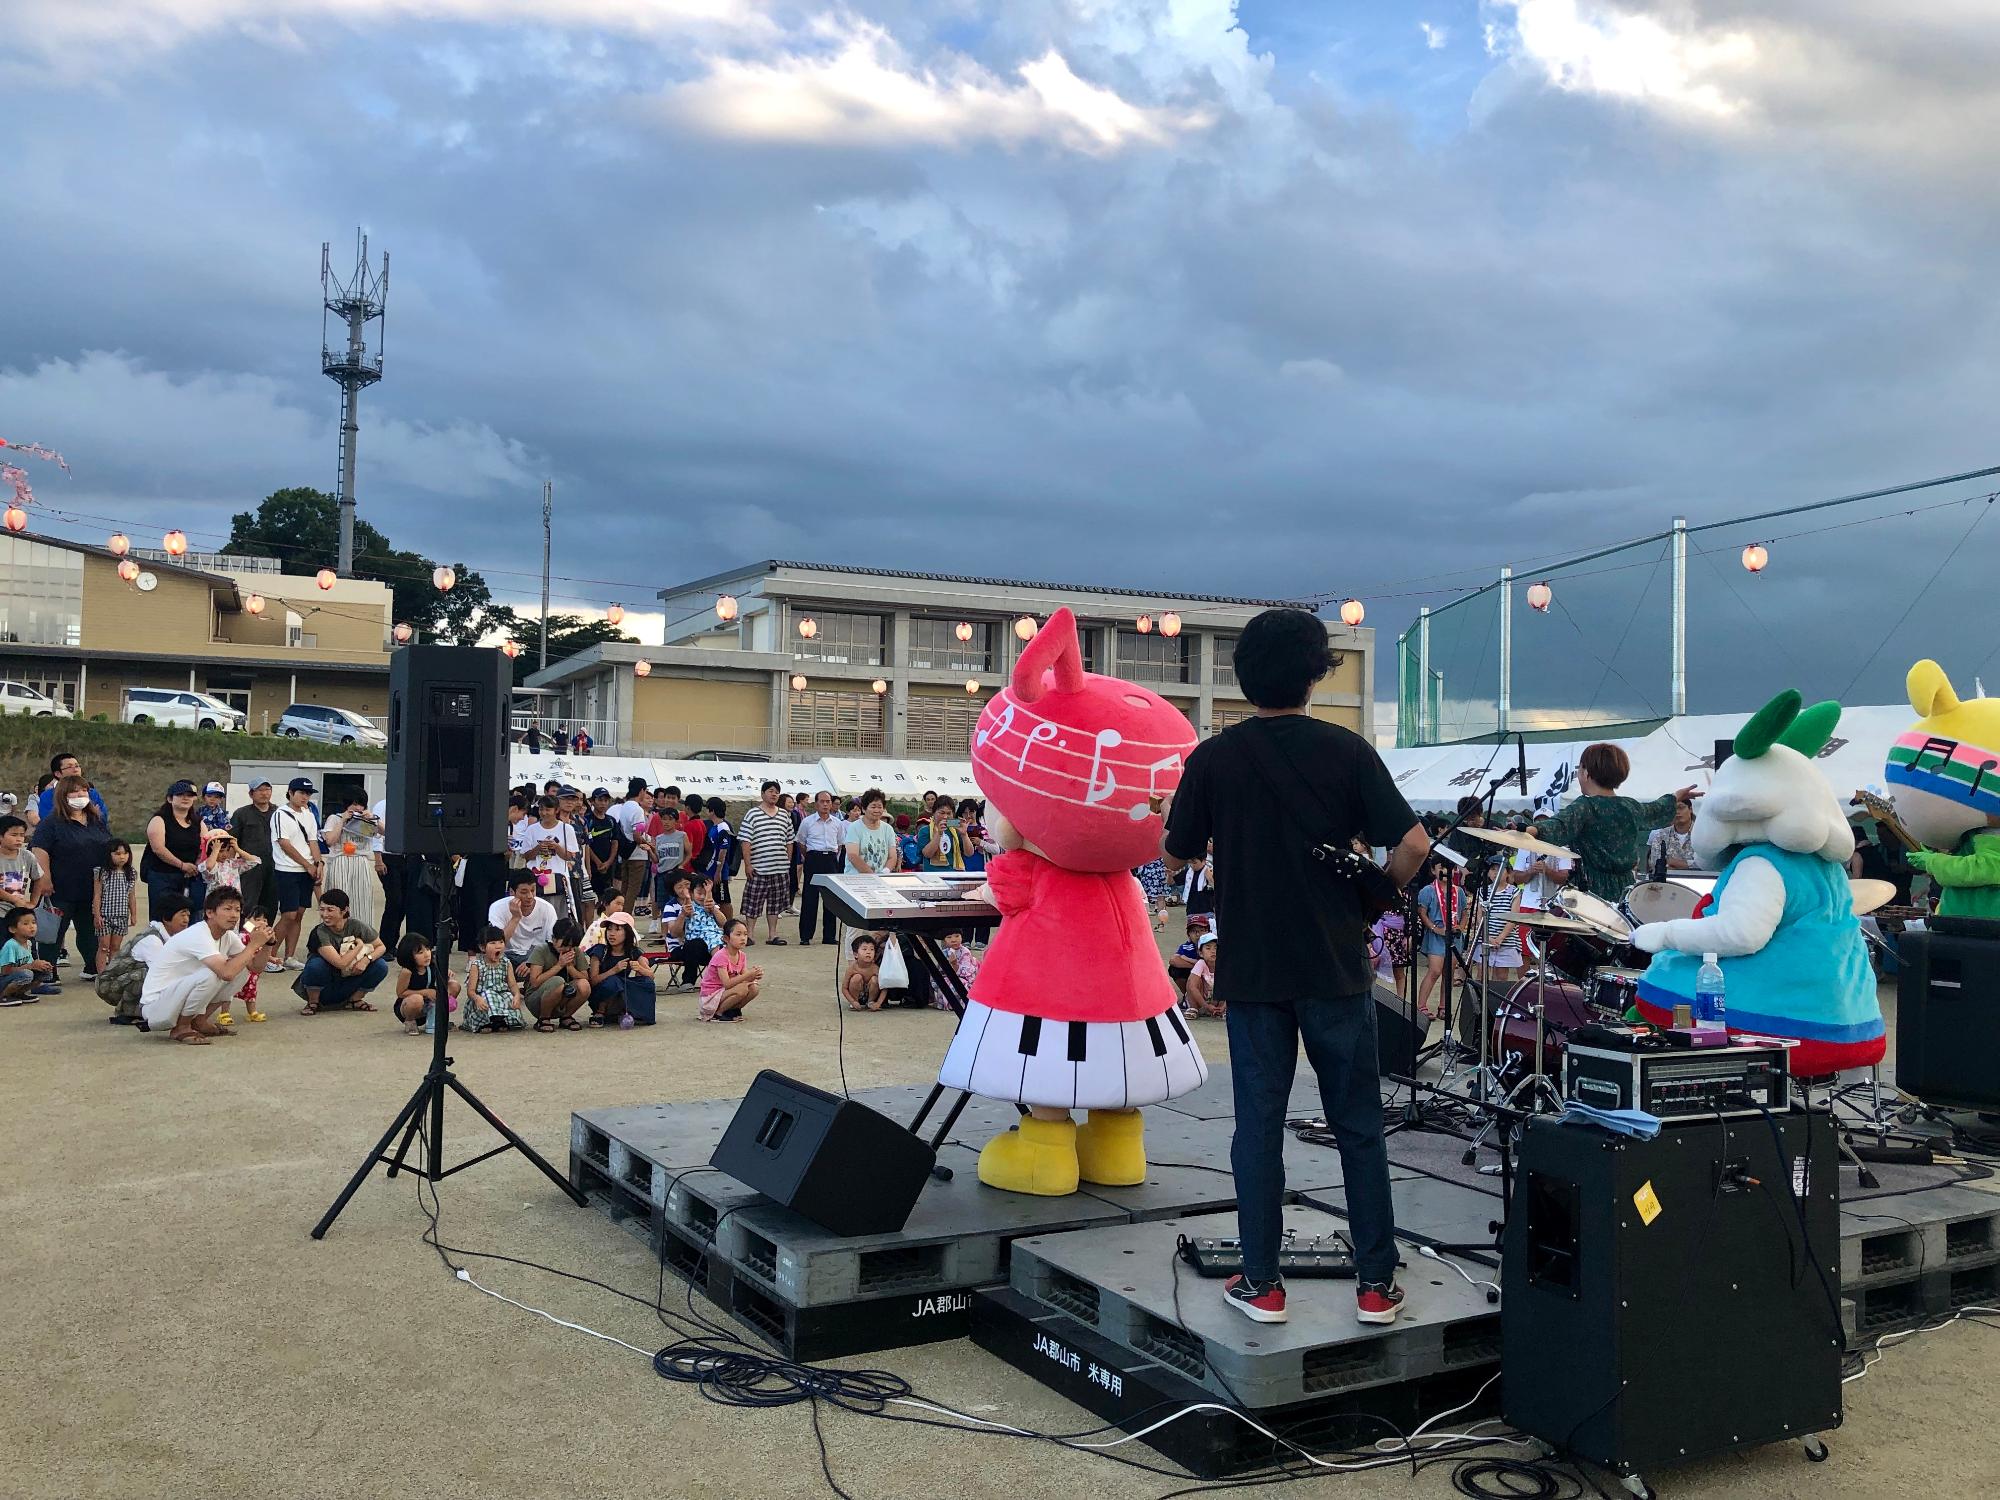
[[1286, 930], [75, 850]]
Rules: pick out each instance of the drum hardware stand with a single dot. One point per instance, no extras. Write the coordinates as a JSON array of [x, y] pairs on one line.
[[1540, 1089]]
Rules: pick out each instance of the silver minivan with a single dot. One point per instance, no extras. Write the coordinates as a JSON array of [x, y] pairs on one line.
[[332, 726]]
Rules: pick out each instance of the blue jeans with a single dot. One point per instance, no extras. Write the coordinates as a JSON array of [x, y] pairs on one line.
[[25, 979], [164, 883], [1339, 1036], [338, 989]]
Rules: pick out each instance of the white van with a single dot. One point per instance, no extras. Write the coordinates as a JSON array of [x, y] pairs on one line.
[[19, 698], [181, 709]]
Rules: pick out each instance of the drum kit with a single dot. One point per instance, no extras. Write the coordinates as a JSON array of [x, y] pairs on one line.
[[1586, 968]]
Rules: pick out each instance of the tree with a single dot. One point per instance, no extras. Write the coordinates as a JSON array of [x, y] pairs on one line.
[[301, 528], [568, 634]]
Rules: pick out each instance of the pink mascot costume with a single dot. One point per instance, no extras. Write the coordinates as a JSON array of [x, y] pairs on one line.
[[1072, 1008]]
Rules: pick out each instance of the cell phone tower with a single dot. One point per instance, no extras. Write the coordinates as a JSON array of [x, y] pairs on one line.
[[361, 299]]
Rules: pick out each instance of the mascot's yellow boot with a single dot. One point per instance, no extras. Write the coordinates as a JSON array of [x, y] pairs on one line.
[[1111, 1148], [1038, 1157]]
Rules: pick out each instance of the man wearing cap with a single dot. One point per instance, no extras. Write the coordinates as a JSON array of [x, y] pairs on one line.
[[633, 814], [214, 814], [251, 825], [296, 866]]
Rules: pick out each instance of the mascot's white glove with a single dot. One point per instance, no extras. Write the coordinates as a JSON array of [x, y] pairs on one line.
[[1650, 938]]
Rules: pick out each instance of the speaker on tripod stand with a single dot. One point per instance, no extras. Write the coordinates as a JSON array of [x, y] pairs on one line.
[[447, 797]]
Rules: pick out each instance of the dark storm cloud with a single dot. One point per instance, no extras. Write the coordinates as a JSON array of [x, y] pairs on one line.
[[856, 287]]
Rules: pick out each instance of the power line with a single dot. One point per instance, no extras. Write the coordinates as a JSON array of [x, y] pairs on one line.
[[1908, 609]]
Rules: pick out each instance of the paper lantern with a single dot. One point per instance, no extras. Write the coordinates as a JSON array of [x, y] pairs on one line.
[[972, 684], [1755, 557], [1539, 595], [128, 570], [16, 518], [808, 628], [798, 682], [725, 608], [1144, 624], [878, 687], [444, 578], [326, 578], [119, 544], [963, 630], [253, 604], [511, 649], [1024, 628], [642, 668], [175, 542], [402, 632], [1170, 624], [1352, 614]]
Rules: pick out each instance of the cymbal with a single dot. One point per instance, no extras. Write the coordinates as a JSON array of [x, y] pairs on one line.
[[1549, 921], [1508, 839], [1870, 895]]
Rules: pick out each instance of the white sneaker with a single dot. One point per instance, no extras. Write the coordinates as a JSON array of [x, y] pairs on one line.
[[274, 968], [295, 963]]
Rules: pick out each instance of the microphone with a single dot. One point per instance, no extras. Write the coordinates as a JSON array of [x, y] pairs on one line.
[[1521, 744]]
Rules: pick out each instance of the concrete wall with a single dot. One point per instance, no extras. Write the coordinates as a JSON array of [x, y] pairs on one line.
[[183, 616], [697, 713]]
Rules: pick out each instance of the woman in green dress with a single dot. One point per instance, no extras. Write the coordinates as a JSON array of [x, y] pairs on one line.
[[1607, 831]]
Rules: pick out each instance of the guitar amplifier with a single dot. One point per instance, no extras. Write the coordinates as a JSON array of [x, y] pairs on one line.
[[1676, 1083], [1948, 1019]]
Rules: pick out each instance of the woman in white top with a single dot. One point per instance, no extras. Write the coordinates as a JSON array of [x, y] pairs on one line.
[[353, 840]]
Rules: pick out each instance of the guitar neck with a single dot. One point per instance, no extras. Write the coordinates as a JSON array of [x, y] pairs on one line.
[[1884, 814]]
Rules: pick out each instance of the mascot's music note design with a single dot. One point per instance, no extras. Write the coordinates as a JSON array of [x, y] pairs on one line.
[[1782, 915], [1072, 1008], [1946, 773]]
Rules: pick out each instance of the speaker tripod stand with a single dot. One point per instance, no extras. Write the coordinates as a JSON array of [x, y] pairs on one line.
[[428, 1100]]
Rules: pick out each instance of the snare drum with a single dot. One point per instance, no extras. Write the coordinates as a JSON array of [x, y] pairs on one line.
[[1596, 913], [1615, 990]]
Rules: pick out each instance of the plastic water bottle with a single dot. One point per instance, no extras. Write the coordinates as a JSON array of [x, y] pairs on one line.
[[1709, 1011]]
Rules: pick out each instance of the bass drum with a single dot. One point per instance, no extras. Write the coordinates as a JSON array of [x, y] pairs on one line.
[[1565, 1008]]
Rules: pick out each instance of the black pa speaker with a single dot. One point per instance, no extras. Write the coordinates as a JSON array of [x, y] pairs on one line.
[[1667, 1300], [1948, 1019], [448, 750], [838, 1163]]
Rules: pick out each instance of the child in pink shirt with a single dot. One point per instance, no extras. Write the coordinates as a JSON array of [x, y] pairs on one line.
[[730, 981]]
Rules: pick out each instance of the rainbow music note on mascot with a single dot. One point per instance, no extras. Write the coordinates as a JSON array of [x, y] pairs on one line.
[[1072, 1008], [1945, 771], [1781, 918]]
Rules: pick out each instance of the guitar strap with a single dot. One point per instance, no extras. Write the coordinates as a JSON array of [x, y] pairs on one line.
[[1277, 767]]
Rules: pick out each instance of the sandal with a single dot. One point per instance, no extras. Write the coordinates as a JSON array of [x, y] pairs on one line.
[[256, 1015], [192, 1038], [774, 942], [311, 1009], [545, 1026], [359, 1004], [571, 1023]]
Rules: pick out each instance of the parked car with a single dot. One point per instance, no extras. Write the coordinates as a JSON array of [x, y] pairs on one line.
[[19, 698], [183, 710], [332, 726]]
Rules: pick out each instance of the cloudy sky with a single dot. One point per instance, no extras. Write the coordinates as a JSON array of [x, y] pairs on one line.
[[1273, 296]]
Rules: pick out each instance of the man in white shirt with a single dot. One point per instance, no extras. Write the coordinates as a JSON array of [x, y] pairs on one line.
[[123, 980], [632, 815], [549, 846], [296, 865], [198, 969], [525, 920], [821, 838]]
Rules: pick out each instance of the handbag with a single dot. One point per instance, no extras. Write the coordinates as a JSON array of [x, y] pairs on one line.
[[1377, 892], [48, 921], [893, 972]]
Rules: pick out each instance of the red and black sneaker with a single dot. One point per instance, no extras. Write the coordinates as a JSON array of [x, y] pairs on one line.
[[1377, 1301], [1262, 1304]]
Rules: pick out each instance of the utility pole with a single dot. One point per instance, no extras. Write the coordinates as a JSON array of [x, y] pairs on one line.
[[1507, 650], [1677, 686], [548, 508], [358, 301]]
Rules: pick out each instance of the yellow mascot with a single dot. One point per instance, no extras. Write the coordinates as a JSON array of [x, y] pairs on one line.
[[1945, 770]]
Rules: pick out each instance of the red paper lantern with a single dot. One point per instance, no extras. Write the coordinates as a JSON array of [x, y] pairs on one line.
[[615, 615], [253, 604], [963, 630], [1352, 613], [1539, 595], [725, 608], [119, 544], [128, 570], [175, 542], [403, 632], [326, 578], [16, 518], [1144, 624], [1170, 624], [1755, 558], [642, 668]]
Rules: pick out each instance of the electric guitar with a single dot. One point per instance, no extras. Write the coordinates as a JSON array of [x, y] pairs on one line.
[[1885, 813], [1377, 891]]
